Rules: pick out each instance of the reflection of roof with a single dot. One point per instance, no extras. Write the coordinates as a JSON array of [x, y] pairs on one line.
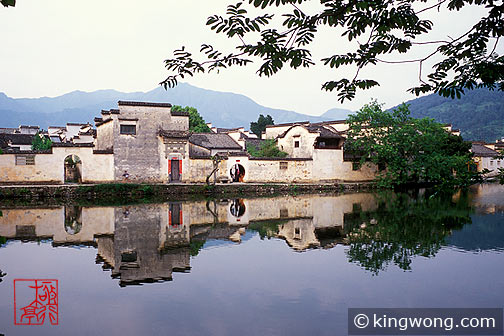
[[174, 134], [214, 141], [482, 151]]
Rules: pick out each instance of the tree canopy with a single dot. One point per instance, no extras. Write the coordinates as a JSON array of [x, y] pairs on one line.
[[41, 142], [267, 148], [408, 150], [196, 122], [385, 32], [259, 126]]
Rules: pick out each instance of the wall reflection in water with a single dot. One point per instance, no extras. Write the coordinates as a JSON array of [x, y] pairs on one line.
[[148, 242]]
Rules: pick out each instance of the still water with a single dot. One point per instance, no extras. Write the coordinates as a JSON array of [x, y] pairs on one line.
[[289, 265]]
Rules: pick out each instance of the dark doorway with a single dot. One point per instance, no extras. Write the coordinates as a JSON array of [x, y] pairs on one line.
[[73, 169], [175, 170], [237, 207], [175, 217], [237, 173]]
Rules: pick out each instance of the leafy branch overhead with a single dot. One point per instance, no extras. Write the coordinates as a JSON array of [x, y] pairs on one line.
[[385, 32], [7, 3]]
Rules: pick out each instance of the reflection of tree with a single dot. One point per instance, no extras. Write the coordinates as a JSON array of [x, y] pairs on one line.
[[267, 228], [2, 275], [402, 227]]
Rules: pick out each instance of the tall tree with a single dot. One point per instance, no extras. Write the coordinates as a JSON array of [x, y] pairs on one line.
[[385, 32], [408, 150], [257, 127], [196, 122]]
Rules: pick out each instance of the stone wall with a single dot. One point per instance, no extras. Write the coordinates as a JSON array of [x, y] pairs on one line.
[[139, 154], [328, 165], [105, 136], [304, 139], [279, 170], [49, 167]]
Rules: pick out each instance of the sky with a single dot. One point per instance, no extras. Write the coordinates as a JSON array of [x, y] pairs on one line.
[[53, 47]]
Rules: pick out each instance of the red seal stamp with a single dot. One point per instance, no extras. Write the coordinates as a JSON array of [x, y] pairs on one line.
[[35, 301]]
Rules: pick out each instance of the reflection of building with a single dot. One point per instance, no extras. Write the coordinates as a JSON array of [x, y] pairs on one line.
[[146, 243]]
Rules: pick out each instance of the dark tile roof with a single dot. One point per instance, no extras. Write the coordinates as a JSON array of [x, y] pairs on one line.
[[174, 134], [135, 103], [15, 139], [8, 130], [482, 151], [214, 141], [70, 144], [77, 124], [253, 142], [102, 122], [230, 154], [224, 130], [324, 132]]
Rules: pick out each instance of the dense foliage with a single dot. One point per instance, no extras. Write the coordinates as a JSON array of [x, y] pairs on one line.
[[479, 114], [407, 150], [384, 31], [196, 122], [267, 149], [403, 226], [259, 126], [41, 142], [7, 3]]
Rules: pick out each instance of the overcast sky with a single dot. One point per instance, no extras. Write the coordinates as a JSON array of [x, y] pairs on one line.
[[52, 47]]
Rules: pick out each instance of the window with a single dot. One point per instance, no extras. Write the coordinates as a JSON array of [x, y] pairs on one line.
[[128, 129], [355, 165], [296, 144], [284, 165], [491, 163], [25, 160], [284, 212]]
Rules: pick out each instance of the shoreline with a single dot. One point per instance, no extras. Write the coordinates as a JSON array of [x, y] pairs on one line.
[[130, 192]]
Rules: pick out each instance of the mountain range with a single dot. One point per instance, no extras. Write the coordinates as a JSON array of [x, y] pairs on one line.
[[479, 113], [222, 109]]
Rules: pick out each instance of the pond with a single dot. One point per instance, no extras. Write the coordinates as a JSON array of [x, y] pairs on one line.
[[286, 265]]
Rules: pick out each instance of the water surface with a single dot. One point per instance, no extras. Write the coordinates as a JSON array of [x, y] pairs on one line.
[[288, 265]]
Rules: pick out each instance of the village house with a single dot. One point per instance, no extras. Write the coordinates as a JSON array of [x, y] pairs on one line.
[[486, 157], [148, 142]]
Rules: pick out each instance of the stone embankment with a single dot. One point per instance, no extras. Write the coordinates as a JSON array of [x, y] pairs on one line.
[[181, 191]]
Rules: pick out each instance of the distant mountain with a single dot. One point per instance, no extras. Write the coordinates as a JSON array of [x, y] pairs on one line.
[[479, 114], [222, 109], [336, 114]]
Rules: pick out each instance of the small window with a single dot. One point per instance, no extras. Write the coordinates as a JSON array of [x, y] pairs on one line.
[[128, 129], [296, 144], [355, 165], [491, 163], [284, 212], [284, 165], [25, 160]]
